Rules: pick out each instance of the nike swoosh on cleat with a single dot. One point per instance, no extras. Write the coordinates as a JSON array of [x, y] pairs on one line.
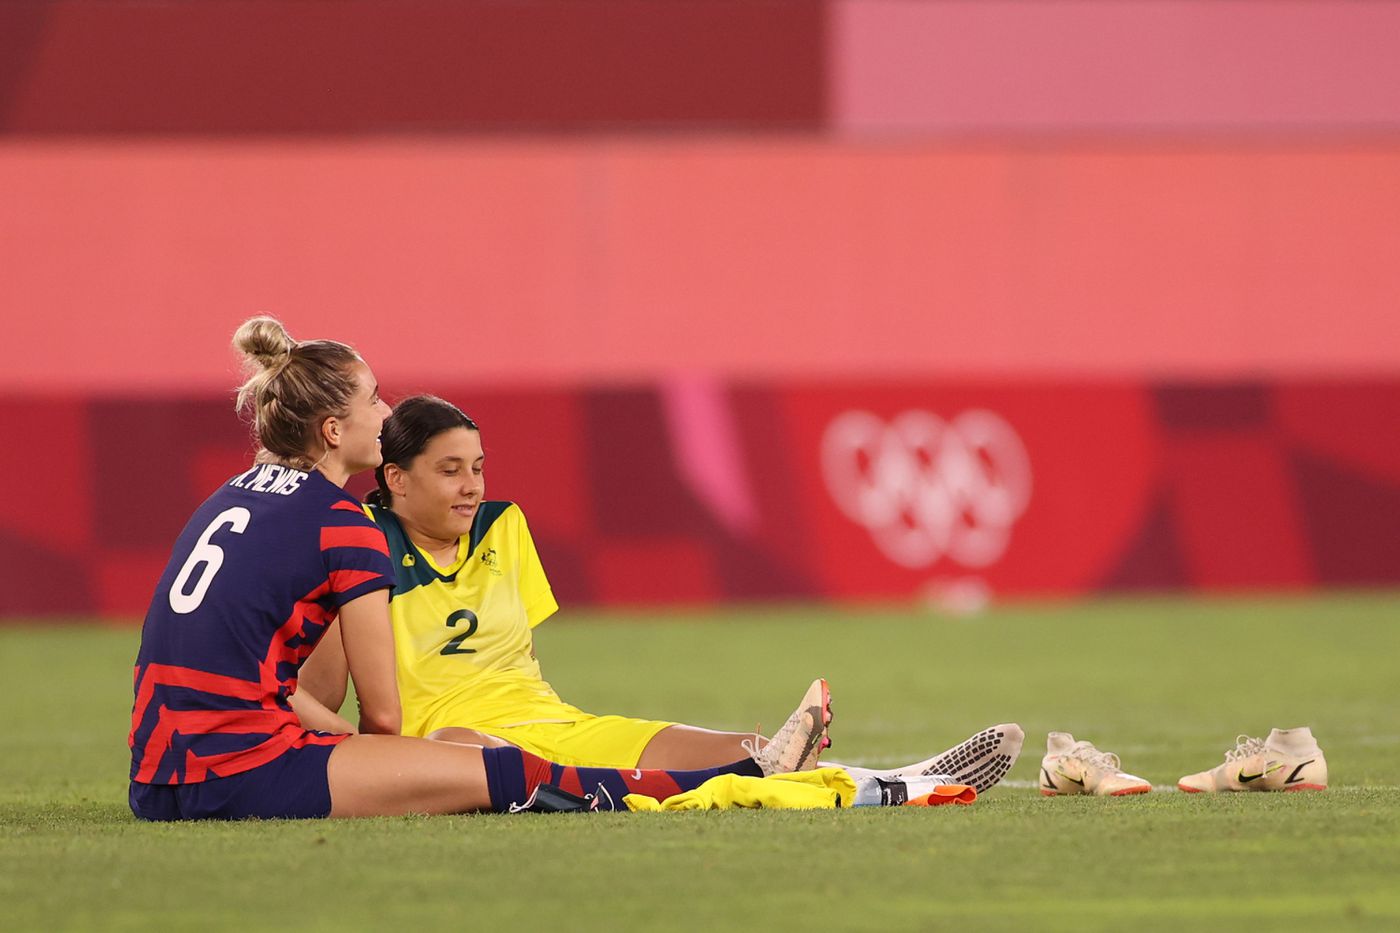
[[1246, 778], [1294, 778], [813, 739], [1048, 780], [1080, 782]]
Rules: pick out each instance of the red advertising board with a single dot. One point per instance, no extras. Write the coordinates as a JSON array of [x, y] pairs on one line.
[[699, 491]]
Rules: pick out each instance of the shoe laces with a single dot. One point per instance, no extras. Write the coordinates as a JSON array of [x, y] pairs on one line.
[[1090, 755], [1244, 747], [751, 746]]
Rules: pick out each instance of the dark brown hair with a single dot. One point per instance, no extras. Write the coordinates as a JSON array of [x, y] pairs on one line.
[[414, 423]]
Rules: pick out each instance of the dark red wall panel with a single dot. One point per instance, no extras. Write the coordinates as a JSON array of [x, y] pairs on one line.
[[376, 66]]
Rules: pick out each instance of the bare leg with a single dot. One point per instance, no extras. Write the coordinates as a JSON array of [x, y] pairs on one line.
[[684, 748], [794, 747], [391, 775], [675, 748], [463, 736]]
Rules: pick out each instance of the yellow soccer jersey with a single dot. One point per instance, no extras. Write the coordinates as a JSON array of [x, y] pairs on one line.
[[462, 632]]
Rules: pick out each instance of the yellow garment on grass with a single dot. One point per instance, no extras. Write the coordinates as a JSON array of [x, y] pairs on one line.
[[822, 789]]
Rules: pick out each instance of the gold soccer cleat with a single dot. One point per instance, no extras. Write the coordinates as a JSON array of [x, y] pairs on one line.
[[1289, 759], [797, 745], [1071, 767]]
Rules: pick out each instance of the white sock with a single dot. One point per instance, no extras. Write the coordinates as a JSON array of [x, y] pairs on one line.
[[881, 792]]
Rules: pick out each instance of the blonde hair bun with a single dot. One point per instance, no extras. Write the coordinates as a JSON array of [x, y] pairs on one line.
[[264, 342], [291, 388]]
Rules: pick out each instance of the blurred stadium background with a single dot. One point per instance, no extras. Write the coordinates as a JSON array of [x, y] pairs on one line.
[[754, 299], [879, 304]]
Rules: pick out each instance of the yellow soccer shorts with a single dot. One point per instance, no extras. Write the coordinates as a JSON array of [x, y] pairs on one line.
[[589, 742]]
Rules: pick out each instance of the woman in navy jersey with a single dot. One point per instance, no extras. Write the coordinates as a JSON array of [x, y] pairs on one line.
[[263, 567]]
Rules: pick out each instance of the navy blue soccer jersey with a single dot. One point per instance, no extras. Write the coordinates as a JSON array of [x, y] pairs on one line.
[[260, 571]]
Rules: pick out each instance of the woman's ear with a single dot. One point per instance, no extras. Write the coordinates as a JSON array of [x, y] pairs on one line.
[[396, 479], [330, 432]]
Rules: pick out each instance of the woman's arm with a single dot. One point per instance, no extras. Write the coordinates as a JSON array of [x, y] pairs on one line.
[[314, 715], [368, 639], [324, 674]]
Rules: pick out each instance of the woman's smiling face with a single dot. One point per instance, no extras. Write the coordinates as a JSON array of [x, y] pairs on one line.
[[440, 491]]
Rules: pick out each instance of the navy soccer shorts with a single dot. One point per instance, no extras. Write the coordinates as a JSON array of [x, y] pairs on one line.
[[291, 786]]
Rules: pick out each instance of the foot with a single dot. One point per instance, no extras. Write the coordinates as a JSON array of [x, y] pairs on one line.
[[798, 744], [1289, 759], [979, 761], [1071, 767]]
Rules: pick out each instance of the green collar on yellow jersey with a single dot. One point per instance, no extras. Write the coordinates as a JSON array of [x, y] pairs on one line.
[[412, 568]]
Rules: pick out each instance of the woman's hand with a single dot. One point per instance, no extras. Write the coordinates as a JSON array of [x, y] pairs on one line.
[[314, 715]]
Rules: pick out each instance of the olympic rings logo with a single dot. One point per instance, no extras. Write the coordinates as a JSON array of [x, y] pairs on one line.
[[924, 487]]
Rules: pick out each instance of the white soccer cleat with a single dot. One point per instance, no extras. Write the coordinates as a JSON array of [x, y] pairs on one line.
[[1071, 767], [1289, 759], [980, 761], [797, 745]]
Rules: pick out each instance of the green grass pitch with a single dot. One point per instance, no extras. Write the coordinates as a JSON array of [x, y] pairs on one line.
[[1165, 683]]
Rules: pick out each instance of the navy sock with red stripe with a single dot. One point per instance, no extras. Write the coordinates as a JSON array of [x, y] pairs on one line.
[[512, 776]]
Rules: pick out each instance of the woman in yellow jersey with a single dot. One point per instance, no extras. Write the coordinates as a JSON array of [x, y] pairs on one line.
[[470, 589]]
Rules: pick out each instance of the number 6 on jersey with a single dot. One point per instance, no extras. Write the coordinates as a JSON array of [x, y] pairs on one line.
[[210, 555]]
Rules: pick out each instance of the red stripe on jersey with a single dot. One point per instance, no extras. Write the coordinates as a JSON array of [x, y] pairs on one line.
[[307, 609], [239, 721], [354, 536], [322, 589], [157, 744], [344, 506], [278, 651], [342, 580], [169, 675], [211, 722], [172, 675], [197, 767]]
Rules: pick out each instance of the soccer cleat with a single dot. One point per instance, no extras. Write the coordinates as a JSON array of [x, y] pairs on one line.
[[1071, 767], [979, 761], [1289, 759], [796, 746]]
